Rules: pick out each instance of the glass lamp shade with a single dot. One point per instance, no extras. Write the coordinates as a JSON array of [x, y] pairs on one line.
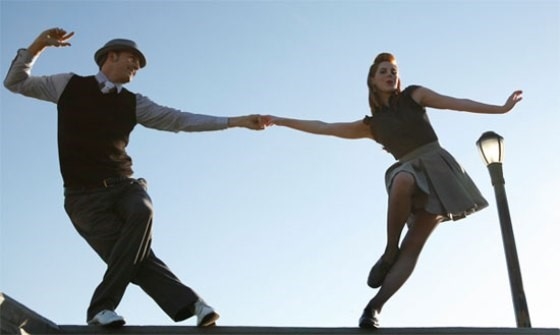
[[491, 147]]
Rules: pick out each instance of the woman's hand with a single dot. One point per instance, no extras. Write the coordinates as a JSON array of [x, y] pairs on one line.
[[270, 120], [513, 99]]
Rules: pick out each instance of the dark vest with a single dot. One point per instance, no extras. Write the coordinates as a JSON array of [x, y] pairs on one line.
[[93, 132]]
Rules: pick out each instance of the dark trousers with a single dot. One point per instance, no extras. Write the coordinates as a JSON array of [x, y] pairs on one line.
[[117, 223]]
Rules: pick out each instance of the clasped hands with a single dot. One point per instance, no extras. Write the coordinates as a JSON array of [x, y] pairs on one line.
[[253, 121]]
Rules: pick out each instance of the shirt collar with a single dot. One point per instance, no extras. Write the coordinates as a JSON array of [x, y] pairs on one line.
[[101, 78]]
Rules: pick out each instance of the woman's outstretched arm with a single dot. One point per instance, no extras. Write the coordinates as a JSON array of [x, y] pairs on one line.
[[348, 130], [428, 98]]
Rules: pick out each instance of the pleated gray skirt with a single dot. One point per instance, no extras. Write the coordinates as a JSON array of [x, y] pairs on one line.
[[445, 187]]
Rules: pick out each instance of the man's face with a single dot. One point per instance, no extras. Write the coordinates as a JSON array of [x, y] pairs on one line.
[[123, 66]]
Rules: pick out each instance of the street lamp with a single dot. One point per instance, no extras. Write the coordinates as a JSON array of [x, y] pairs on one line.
[[491, 147]]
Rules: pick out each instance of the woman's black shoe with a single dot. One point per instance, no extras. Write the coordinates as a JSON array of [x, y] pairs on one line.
[[369, 320], [378, 272]]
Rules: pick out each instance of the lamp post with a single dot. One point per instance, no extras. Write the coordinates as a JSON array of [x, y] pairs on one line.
[[491, 147]]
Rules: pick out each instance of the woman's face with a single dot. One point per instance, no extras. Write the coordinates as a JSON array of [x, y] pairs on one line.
[[386, 78]]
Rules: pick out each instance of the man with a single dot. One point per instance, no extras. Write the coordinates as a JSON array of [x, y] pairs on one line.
[[111, 210]]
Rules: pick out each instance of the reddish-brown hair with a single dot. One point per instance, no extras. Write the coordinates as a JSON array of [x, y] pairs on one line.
[[374, 100]]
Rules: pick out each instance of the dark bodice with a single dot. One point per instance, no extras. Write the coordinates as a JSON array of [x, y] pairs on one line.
[[402, 126]]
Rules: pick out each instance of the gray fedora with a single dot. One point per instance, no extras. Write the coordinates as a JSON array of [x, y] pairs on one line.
[[119, 44]]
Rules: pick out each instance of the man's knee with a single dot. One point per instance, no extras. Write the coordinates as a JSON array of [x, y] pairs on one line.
[[138, 207], [144, 210]]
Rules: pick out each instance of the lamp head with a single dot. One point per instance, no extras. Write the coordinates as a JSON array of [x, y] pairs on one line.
[[491, 147]]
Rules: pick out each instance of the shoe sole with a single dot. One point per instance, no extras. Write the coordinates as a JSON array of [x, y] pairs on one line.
[[209, 320], [369, 324], [112, 324], [115, 324]]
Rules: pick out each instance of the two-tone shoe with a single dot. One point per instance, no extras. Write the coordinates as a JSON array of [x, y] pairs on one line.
[[206, 315], [107, 318]]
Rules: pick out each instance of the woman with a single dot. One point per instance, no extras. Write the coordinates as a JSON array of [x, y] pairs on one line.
[[426, 186]]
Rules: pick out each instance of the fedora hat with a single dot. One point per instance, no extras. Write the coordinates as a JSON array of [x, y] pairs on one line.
[[119, 44]]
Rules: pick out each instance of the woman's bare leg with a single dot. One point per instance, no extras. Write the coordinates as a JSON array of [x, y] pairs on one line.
[[403, 188], [402, 260], [410, 249], [399, 208]]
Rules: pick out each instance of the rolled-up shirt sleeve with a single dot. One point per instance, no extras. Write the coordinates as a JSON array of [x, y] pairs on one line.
[[19, 79], [152, 115]]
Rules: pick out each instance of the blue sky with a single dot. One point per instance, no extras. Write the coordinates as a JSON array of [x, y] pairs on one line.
[[279, 228]]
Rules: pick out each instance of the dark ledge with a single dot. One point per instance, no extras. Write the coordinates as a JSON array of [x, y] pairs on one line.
[[16, 318], [241, 330]]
